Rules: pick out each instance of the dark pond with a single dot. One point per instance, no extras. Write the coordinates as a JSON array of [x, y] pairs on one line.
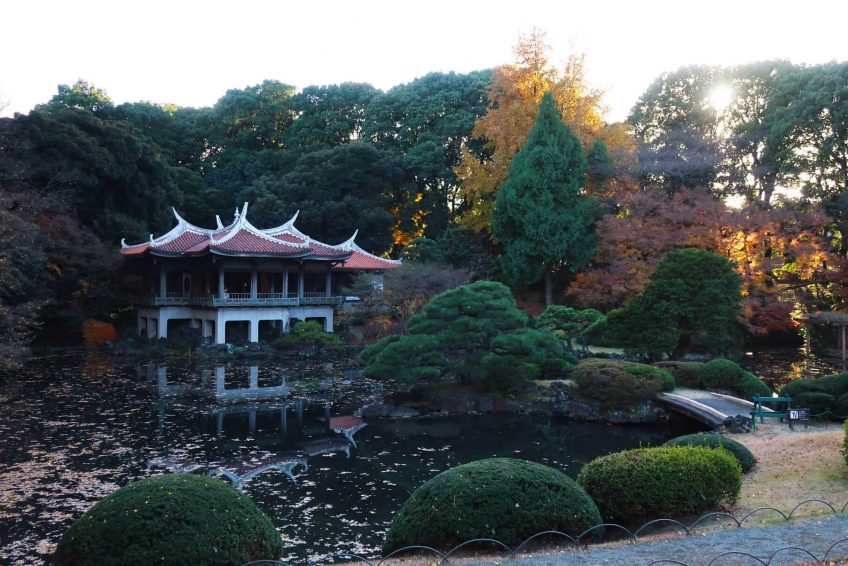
[[76, 426]]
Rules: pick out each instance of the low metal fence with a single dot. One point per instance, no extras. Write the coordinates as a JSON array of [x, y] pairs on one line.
[[632, 536]]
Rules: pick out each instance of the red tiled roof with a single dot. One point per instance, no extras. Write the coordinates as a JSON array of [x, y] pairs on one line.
[[246, 242], [243, 239], [359, 261]]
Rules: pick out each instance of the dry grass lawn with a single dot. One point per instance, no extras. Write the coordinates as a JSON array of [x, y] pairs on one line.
[[793, 466]]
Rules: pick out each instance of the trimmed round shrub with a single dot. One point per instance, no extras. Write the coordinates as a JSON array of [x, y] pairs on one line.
[[686, 374], [728, 375], [648, 483], [751, 386], [609, 383], [501, 498], [836, 385], [721, 374], [816, 401], [650, 372], [795, 388], [840, 408], [171, 519], [713, 440]]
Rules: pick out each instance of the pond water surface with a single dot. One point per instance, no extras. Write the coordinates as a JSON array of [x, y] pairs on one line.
[[75, 426]]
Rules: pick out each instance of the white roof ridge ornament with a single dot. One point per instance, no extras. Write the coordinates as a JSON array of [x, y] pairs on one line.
[[124, 243], [348, 244], [218, 222]]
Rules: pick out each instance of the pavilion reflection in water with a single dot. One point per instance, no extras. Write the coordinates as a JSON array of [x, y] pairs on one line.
[[254, 400]]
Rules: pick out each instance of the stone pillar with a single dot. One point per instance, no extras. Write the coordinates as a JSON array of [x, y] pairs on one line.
[[251, 421], [328, 321], [284, 419], [221, 284], [142, 325], [329, 285], [220, 330], [207, 328], [163, 282], [163, 326], [286, 283], [151, 327], [253, 284], [254, 330], [253, 377], [300, 282]]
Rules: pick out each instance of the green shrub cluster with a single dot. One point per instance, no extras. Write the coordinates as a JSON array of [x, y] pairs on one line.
[[730, 376], [643, 371], [664, 481], [686, 374], [616, 384], [308, 333], [828, 393], [505, 499], [172, 519], [845, 442], [473, 334], [713, 440]]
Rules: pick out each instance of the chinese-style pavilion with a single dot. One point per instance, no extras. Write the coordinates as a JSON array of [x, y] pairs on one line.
[[239, 275]]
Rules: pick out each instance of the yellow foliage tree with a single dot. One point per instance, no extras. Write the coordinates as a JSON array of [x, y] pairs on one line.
[[514, 96]]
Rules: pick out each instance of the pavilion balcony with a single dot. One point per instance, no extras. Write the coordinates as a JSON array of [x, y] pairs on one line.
[[243, 300]]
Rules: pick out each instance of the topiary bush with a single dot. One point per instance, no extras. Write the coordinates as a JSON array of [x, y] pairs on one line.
[[795, 388], [471, 334], [172, 519], [686, 374], [650, 372], [751, 386], [308, 333], [664, 481], [612, 386], [817, 402], [728, 375], [502, 498], [840, 408], [713, 440], [721, 374], [836, 385], [519, 357]]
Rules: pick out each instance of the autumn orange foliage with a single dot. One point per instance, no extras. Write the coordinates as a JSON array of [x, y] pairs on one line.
[[514, 96], [782, 255], [96, 333]]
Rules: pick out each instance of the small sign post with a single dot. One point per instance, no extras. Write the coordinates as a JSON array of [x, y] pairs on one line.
[[799, 415]]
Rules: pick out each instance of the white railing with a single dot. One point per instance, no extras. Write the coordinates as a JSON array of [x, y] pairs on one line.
[[245, 299]]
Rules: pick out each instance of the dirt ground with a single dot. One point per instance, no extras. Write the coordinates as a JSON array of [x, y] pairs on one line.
[[793, 466]]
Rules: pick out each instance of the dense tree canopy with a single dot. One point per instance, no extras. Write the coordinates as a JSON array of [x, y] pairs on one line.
[[749, 162]]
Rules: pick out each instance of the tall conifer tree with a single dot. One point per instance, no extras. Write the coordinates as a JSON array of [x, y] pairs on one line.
[[540, 217]]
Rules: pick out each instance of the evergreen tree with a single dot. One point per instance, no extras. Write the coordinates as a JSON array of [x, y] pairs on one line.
[[693, 296], [541, 218]]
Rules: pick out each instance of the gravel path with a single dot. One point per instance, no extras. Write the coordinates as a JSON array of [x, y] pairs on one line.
[[815, 535]]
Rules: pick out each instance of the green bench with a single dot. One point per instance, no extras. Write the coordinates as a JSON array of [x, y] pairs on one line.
[[759, 409]]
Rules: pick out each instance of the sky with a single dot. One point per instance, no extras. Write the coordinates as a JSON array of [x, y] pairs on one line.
[[190, 52]]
